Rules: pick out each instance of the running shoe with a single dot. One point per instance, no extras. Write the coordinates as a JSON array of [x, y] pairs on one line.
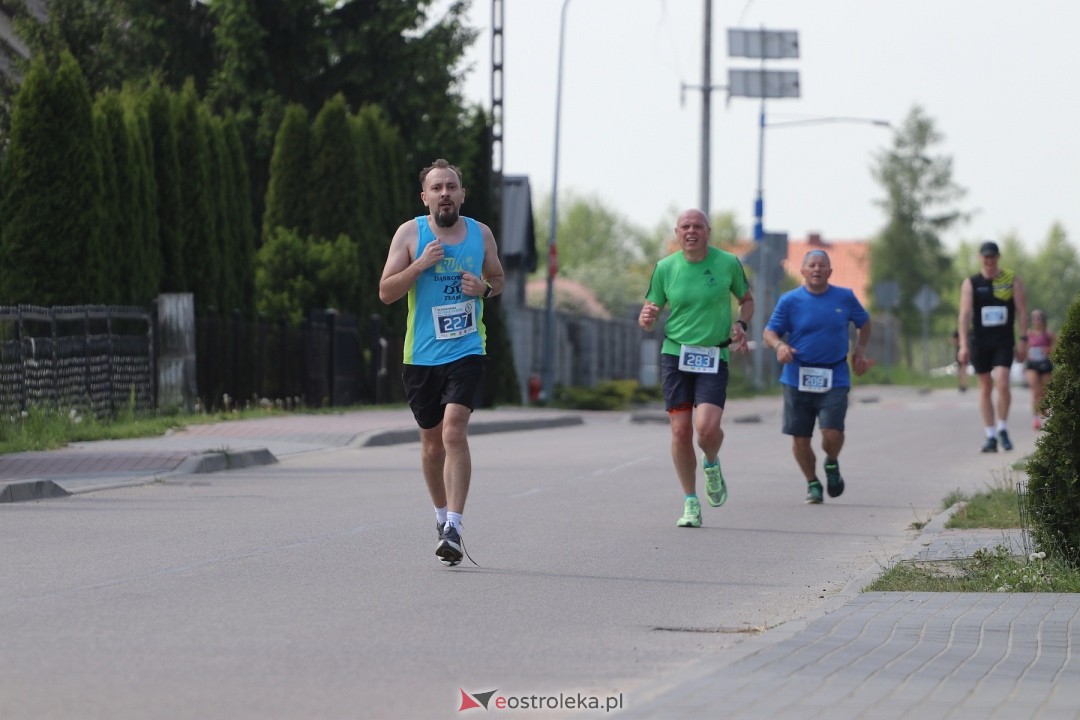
[[1006, 444], [990, 445], [813, 493], [691, 516], [715, 489], [833, 482], [449, 548]]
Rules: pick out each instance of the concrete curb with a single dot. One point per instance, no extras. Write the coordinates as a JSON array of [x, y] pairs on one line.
[[207, 462], [383, 438], [212, 461], [31, 490]]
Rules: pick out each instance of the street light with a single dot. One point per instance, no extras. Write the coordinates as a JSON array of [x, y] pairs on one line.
[[759, 220], [548, 369], [759, 204]]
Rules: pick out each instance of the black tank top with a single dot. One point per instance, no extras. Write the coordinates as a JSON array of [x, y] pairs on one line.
[[993, 308]]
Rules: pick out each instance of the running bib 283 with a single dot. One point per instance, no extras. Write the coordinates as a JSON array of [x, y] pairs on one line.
[[697, 359]]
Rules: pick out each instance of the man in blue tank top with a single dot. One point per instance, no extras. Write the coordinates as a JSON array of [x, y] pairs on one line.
[[447, 265]]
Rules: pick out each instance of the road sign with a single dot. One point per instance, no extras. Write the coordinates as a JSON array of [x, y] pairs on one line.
[[926, 300], [763, 83], [763, 44], [887, 294]]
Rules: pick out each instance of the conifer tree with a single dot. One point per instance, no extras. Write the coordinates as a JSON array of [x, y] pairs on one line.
[[52, 201], [243, 249], [157, 104], [147, 280], [105, 267], [336, 198], [197, 221], [1054, 469], [290, 170]]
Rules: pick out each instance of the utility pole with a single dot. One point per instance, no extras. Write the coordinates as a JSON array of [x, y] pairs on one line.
[[706, 110], [706, 87]]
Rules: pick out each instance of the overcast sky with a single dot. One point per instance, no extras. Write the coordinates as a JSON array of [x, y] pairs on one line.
[[1001, 80]]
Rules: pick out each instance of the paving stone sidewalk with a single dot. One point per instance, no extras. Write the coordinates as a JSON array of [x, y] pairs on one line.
[[879, 656]]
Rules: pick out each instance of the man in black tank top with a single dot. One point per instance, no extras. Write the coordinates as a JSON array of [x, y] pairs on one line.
[[991, 303]]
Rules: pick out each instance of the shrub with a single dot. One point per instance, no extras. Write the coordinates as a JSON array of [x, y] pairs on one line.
[[1053, 470], [608, 395]]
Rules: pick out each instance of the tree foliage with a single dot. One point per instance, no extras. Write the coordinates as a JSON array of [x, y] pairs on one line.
[[919, 205], [603, 251], [1054, 469], [156, 106], [290, 169], [52, 191], [197, 219]]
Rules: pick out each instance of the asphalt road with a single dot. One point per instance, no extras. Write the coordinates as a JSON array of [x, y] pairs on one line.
[[309, 589]]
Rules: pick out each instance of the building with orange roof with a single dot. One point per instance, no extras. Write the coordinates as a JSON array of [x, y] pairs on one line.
[[850, 260]]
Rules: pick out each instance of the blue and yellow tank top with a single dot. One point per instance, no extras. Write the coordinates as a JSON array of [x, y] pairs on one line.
[[445, 325]]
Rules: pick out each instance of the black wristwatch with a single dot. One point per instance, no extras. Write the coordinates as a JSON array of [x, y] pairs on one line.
[[744, 326], [487, 290]]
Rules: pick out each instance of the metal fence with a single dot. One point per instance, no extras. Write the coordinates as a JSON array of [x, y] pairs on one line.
[[92, 358], [243, 362], [104, 359]]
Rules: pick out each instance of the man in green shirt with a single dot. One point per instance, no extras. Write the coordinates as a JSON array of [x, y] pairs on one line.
[[697, 284]]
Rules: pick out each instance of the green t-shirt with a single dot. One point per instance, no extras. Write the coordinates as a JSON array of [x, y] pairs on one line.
[[699, 296]]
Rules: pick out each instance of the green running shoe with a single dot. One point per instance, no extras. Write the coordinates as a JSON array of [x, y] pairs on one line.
[[813, 493], [691, 516], [715, 489], [833, 482]]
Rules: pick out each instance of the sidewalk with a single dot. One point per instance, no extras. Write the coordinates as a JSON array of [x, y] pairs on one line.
[[859, 655], [89, 466], [883, 655]]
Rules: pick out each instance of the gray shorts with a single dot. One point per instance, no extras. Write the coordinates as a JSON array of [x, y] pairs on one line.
[[801, 409]]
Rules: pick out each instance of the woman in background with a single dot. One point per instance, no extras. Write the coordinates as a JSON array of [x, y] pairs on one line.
[[1038, 367]]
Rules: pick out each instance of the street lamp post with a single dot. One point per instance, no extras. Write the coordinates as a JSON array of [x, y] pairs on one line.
[[548, 370]]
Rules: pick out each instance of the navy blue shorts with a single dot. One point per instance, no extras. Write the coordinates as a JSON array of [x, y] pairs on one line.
[[429, 388], [801, 409], [684, 390]]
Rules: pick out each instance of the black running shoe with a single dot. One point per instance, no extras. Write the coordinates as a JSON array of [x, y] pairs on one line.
[[990, 445], [449, 548], [1006, 444], [833, 482]]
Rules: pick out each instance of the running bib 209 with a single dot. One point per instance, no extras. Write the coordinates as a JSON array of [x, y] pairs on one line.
[[696, 359], [815, 379], [452, 321]]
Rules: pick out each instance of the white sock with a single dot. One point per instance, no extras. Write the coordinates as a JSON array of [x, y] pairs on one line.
[[455, 519], [1001, 426], [990, 432], [440, 515]]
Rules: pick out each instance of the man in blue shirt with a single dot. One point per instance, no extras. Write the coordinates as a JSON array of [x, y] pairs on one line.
[[814, 319]]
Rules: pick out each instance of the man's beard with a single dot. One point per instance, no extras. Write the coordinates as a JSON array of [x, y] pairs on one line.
[[446, 219]]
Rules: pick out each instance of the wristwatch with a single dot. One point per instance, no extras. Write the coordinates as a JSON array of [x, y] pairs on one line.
[[744, 326], [487, 290]]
